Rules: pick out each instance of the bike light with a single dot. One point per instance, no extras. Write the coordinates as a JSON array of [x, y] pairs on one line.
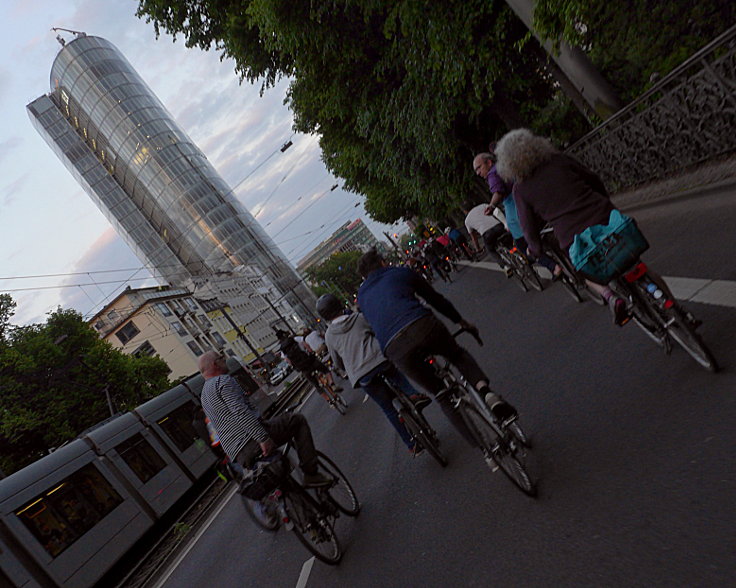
[[669, 303], [512, 250], [639, 270]]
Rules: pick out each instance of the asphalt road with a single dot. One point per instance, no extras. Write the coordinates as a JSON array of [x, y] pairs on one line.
[[633, 451]]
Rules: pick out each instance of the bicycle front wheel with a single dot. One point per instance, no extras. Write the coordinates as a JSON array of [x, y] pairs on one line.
[[530, 275], [341, 491], [425, 436], [312, 528]]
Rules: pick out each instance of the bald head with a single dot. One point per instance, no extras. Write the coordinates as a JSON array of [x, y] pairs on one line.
[[212, 364]]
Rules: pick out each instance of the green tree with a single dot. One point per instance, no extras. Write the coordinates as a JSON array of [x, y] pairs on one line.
[[402, 94], [56, 379], [7, 309], [338, 275]]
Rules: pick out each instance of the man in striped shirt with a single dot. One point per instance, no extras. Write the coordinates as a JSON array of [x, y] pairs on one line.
[[243, 435]]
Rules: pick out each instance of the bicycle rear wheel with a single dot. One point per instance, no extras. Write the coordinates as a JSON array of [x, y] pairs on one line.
[[424, 435], [311, 527], [496, 450], [682, 331], [515, 429], [341, 491], [530, 275]]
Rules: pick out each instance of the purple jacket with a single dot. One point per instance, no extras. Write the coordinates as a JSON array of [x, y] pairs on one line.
[[495, 183], [565, 194]]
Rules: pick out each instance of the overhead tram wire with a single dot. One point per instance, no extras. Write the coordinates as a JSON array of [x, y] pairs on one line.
[[287, 225], [283, 148], [333, 220], [269, 223]]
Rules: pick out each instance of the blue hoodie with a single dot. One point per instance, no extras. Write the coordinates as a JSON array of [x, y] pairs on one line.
[[388, 300]]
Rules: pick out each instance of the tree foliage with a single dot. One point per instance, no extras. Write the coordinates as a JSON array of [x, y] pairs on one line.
[[338, 275], [55, 379], [404, 93]]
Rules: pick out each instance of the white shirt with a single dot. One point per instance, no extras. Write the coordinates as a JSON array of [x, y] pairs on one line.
[[478, 221]]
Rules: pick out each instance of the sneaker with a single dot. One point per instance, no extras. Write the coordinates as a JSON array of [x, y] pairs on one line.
[[502, 410], [420, 401], [619, 313], [316, 479]]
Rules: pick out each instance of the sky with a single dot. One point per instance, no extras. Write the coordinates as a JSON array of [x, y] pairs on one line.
[[56, 247]]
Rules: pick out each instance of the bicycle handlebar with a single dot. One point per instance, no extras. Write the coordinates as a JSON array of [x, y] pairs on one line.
[[473, 332]]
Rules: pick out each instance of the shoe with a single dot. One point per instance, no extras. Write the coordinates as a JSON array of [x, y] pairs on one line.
[[557, 275], [619, 313], [420, 401], [316, 479], [502, 410], [416, 450]]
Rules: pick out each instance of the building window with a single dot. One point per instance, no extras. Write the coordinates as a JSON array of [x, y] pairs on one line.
[[191, 304], [127, 332], [163, 309], [179, 328], [196, 349], [230, 352], [145, 350], [99, 325], [219, 339]]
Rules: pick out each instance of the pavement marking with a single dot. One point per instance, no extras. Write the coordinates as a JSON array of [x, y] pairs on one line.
[[716, 292], [194, 539], [306, 570], [365, 398]]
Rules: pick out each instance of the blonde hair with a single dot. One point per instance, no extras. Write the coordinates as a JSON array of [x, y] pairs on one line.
[[520, 152]]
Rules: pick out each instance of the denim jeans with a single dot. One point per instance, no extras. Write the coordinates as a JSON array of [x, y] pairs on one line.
[[383, 396]]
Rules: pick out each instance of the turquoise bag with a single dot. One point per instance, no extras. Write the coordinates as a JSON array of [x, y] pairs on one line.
[[604, 252]]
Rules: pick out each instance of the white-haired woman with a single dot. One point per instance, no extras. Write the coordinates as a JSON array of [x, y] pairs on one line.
[[551, 187]]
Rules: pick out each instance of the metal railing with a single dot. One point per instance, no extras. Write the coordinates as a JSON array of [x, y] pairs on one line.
[[686, 118]]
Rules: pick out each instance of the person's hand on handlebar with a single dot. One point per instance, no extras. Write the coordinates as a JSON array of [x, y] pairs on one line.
[[267, 447]]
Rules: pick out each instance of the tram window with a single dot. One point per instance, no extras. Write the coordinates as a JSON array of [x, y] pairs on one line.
[[178, 426], [65, 512], [141, 457]]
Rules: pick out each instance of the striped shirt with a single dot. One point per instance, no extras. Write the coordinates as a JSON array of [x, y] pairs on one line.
[[231, 413]]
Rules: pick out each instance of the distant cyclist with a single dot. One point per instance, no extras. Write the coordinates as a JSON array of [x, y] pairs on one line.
[[353, 346], [306, 363], [489, 228], [409, 332]]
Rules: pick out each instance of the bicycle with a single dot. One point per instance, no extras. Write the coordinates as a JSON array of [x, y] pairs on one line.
[[274, 497], [334, 399], [653, 308], [574, 283], [504, 445], [419, 428], [519, 263]]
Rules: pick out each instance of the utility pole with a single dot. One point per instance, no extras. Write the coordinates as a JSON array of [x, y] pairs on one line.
[[576, 65]]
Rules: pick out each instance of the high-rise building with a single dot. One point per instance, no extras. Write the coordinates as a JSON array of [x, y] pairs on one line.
[[159, 191], [352, 236]]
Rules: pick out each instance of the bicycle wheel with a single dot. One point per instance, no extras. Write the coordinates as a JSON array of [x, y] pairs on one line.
[[424, 435], [515, 429], [263, 513], [682, 331], [340, 492], [496, 449], [337, 405], [571, 287], [647, 317], [530, 275], [311, 527], [512, 263]]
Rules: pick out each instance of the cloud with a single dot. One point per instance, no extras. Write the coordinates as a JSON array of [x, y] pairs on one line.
[[109, 252], [8, 146]]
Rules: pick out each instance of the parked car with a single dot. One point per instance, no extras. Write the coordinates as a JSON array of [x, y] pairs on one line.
[[278, 374]]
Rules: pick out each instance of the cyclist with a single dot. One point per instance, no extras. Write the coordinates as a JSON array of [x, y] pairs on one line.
[[553, 188], [484, 166], [304, 362], [459, 241], [408, 332], [353, 346], [244, 436], [488, 227]]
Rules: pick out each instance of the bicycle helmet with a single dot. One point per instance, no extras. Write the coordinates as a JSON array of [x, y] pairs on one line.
[[329, 307]]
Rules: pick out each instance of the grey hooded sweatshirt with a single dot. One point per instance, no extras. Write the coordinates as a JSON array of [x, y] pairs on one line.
[[353, 346]]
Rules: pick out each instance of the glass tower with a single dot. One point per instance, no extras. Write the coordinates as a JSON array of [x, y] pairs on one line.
[[158, 189]]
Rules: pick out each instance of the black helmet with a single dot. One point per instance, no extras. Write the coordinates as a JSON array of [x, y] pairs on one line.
[[329, 307]]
